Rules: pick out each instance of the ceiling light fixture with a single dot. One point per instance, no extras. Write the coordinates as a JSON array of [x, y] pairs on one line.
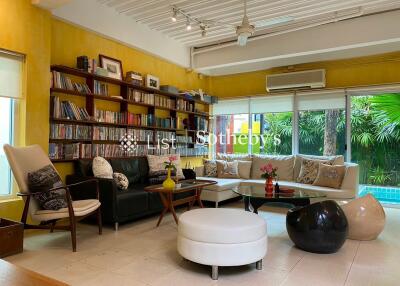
[[188, 25], [174, 14]]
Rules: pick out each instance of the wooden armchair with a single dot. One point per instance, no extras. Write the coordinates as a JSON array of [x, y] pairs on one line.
[[24, 160]]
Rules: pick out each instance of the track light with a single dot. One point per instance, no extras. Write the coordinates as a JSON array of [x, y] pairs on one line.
[[203, 30], [188, 25], [174, 15]]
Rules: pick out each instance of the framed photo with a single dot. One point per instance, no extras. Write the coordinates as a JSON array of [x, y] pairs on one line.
[[113, 66], [152, 81]]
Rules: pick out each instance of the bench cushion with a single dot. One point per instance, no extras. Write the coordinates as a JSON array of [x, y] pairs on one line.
[[222, 183]]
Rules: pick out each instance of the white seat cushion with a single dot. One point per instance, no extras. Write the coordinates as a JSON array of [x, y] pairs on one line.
[[221, 226], [81, 208], [329, 192], [222, 183]]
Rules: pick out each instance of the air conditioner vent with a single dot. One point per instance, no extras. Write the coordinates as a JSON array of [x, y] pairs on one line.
[[303, 79]]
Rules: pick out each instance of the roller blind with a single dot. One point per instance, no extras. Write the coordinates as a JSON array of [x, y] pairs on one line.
[[235, 106], [11, 75], [272, 103], [377, 89], [321, 100]]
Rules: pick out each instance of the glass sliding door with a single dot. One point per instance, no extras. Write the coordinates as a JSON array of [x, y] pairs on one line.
[[322, 123], [375, 143], [232, 134]]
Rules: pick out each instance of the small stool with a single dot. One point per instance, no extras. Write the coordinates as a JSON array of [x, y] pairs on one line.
[[222, 237]]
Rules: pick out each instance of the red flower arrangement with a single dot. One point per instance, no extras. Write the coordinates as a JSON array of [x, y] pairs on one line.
[[170, 163], [269, 172]]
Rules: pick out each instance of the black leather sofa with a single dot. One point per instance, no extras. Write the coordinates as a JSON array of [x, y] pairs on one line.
[[120, 206]]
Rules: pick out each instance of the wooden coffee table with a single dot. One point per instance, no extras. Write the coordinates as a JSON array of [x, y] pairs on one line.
[[167, 196]]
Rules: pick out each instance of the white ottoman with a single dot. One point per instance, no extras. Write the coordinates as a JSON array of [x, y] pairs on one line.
[[222, 237]]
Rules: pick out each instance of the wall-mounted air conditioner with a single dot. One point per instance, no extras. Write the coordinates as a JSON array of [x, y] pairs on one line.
[[302, 79]]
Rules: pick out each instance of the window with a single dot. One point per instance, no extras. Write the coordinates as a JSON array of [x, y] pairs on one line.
[[10, 90], [6, 135], [321, 123], [232, 134]]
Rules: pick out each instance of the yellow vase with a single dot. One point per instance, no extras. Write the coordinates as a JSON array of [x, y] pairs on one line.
[[169, 184]]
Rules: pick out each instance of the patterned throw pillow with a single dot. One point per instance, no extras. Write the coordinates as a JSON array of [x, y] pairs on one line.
[[330, 176], [43, 180], [309, 170], [121, 181], [157, 168], [101, 168], [227, 169], [210, 168]]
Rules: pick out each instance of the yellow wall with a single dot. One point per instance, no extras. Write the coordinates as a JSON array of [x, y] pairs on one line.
[[26, 29], [341, 73], [44, 41]]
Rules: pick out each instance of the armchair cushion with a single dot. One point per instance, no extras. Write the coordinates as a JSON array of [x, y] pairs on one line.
[[102, 168], [81, 208], [40, 182]]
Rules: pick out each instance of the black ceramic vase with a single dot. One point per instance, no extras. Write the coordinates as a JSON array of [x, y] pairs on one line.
[[320, 227]]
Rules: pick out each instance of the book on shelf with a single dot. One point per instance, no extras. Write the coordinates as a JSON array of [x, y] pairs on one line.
[[140, 97], [166, 122], [184, 105], [108, 133], [64, 151], [163, 101], [200, 123], [100, 88], [140, 119], [70, 132], [141, 134], [67, 110], [61, 81]]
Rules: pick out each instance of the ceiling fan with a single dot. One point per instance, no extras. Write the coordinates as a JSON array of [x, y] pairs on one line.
[[245, 30]]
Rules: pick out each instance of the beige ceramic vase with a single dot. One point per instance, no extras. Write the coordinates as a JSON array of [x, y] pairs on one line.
[[366, 218]]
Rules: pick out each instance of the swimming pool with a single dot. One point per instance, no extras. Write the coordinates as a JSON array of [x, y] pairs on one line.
[[386, 195]]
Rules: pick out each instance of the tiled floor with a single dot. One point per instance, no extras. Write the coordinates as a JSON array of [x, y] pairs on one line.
[[140, 254]]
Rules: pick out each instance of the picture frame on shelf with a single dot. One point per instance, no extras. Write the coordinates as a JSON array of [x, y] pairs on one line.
[[152, 81], [113, 66]]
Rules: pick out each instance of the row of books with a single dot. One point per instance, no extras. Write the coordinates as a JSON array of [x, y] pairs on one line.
[[87, 151], [108, 133], [141, 135], [163, 101], [100, 88], [160, 135], [184, 105], [166, 122], [68, 131], [59, 80], [141, 97], [200, 123], [67, 110], [140, 119], [184, 139]]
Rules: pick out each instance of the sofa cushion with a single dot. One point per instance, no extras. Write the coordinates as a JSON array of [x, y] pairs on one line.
[[233, 157], [283, 163], [309, 170], [337, 160], [210, 168], [83, 168], [227, 169], [222, 184], [102, 168], [157, 166], [134, 200], [330, 176], [244, 168], [121, 181]]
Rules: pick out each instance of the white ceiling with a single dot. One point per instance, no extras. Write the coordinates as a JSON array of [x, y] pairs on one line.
[[321, 30], [156, 14]]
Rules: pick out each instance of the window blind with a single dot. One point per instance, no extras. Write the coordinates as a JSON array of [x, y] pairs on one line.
[[371, 90], [234, 106], [272, 103], [11, 75], [321, 100]]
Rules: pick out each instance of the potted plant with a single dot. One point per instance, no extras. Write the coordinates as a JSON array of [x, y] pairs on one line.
[[169, 184], [268, 173]]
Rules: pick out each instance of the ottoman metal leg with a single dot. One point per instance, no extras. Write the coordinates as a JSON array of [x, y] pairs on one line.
[[214, 272], [259, 265]]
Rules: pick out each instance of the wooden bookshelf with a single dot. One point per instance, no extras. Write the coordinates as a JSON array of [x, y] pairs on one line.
[[124, 102]]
